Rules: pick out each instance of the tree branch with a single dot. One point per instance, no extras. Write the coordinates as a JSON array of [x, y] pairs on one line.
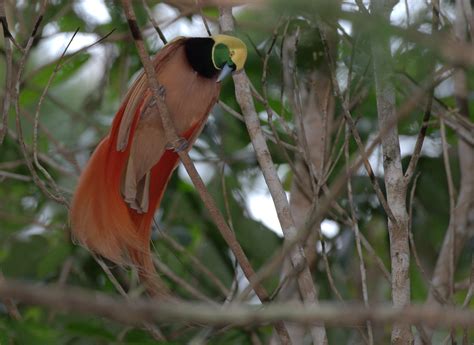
[[7, 36], [137, 311], [245, 100], [393, 176]]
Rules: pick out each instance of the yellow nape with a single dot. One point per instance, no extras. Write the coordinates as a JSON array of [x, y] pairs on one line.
[[237, 49]]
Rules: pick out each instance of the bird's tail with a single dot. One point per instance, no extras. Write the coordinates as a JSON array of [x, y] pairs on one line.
[[101, 220]]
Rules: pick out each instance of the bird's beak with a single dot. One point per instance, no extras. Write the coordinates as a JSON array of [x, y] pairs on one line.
[[225, 71]]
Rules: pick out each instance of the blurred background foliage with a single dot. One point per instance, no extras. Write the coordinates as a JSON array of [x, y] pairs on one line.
[[80, 104]]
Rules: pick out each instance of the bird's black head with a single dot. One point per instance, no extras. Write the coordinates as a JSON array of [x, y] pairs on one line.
[[199, 54], [219, 55]]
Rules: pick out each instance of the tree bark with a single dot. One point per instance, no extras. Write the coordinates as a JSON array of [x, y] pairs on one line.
[[395, 185]]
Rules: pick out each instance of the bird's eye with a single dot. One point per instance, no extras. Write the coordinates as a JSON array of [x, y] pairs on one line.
[[232, 52]]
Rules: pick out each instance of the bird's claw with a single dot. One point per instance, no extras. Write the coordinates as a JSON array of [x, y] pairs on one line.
[[178, 145]]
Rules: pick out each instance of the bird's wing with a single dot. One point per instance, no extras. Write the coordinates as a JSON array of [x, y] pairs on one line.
[[147, 148], [139, 95], [189, 99]]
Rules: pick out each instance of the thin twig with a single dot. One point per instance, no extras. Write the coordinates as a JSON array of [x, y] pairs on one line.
[[36, 123], [225, 196], [413, 243], [13, 176], [452, 203], [470, 291], [43, 157], [197, 264], [204, 20], [269, 136], [65, 153], [453, 119], [363, 273], [152, 329], [67, 57], [427, 113], [7, 37], [153, 21], [168, 272]]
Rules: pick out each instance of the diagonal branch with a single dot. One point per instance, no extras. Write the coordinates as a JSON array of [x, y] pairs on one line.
[[244, 98], [172, 137]]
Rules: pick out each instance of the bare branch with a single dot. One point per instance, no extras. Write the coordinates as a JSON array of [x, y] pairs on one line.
[[393, 177], [7, 36], [363, 273], [245, 100], [137, 311], [153, 21], [10, 175]]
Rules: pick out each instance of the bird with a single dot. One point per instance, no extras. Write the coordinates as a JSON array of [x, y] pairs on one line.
[[122, 184]]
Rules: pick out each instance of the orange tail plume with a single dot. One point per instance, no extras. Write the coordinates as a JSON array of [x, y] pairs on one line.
[[100, 218], [103, 222]]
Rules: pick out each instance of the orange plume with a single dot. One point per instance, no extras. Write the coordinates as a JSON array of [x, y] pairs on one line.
[[123, 183]]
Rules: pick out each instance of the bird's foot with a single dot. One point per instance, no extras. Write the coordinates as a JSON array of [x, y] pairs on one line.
[[178, 145]]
